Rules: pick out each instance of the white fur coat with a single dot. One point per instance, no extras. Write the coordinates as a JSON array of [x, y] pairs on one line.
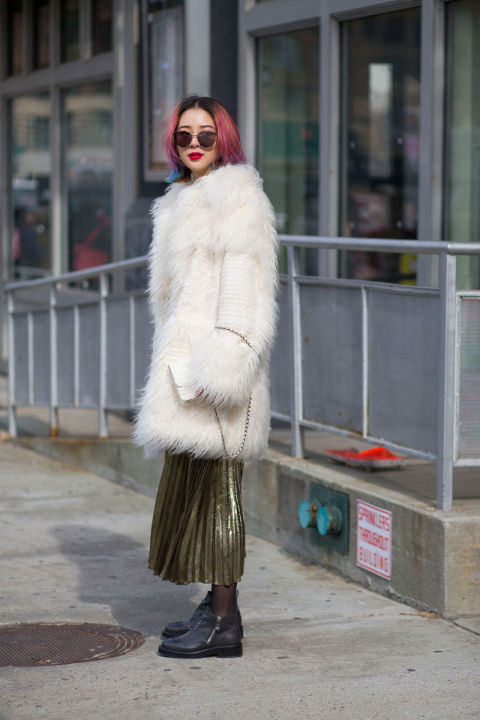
[[212, 262]]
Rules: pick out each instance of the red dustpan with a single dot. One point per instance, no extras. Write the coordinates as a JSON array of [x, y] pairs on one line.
[[375, 458]]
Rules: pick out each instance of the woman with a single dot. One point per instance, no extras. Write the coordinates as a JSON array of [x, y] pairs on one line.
[[212, 288]]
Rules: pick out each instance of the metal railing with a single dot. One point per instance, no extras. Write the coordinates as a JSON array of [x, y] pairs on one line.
[[393, 364]]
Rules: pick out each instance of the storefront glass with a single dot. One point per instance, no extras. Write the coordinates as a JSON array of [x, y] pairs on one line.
[[70, 30], [88, 123], [287, 148], [30, 185], [41, 33], [462, 201], [380, 140], [165, 78], [101, 26]]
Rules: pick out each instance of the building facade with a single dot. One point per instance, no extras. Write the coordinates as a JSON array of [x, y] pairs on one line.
[[363, 117]]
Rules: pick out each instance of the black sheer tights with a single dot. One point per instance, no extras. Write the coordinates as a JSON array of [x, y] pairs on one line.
[[223, 599]]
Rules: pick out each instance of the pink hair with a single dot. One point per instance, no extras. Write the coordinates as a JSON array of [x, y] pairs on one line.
[[229, 146]]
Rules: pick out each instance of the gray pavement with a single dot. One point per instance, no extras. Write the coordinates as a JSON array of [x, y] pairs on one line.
[[74, 549]]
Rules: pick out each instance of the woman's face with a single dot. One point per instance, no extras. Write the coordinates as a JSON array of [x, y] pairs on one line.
[[195, 157]]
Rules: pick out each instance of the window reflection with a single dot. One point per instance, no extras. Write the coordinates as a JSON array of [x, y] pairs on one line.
[[88, 171], [380, 147], [30, 185], [101, 26], [70, 30], [41, 33], [15, 37], [463, 135], [165, 73], [288, 132]]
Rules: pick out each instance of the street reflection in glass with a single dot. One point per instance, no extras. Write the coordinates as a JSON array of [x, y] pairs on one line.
[[380, 143], [88, 173], [30, 185]]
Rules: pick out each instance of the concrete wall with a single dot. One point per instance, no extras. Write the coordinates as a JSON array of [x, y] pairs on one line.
[[435, 554]]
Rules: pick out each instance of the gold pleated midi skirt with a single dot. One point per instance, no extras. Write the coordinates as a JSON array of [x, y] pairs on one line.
[[198, 530]]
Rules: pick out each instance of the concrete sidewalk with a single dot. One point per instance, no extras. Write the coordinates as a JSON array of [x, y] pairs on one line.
[[74, 549]]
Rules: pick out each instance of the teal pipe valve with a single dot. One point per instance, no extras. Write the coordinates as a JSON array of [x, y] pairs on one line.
[[307, 514], [329, 520]]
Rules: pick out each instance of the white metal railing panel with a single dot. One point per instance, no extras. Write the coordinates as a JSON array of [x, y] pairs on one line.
[[88, 351], [403, 366], [281, 361], [384, 362], [21, 358], [66, 356], [468, 375], [331, 319], [40, 357], [118, 355]]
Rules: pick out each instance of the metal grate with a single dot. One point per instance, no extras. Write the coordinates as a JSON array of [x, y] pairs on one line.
[[332, 355], [28, 645], [404, 351], [468, 411]]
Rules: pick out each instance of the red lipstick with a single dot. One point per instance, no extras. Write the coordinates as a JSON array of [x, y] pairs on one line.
[[195, 156]]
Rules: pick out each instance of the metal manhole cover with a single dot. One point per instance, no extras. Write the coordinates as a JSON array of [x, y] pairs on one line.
[[64, 643]]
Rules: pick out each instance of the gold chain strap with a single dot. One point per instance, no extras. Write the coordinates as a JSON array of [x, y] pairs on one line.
[[221, 327], [247, 420], [235, 455]]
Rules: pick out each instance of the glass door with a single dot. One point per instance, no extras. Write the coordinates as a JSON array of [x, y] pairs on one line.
[[288, 129], [462, 191], [380, 140]]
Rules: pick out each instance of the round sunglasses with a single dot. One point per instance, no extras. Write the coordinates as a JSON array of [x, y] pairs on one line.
[[206, 138]]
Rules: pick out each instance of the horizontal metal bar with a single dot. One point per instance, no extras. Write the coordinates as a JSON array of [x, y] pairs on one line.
[[467, 462], [309, 241], [373, 285], [421, 454], [281, 416], [81, 274], [420, 247]]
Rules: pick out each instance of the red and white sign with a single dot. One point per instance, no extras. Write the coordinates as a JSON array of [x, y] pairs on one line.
[[374, 539]]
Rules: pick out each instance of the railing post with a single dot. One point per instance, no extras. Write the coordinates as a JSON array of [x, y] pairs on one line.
[[53, 407], [365, 364], [446, 404], [102, 415], [133, 345], [297, 385], [12, 412]]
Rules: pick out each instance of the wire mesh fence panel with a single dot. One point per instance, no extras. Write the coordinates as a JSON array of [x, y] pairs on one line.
[[281, 370], [404, 354], [331, 319], [468, 408]]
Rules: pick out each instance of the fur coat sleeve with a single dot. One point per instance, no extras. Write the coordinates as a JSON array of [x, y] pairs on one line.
[[224, 364]]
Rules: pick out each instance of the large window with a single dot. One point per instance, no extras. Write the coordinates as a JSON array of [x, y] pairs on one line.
[[164, 78], [101, 26], [380, 140], [288, 106], [41, 33], [462, 202], [88, 173], [15, 37], [69, 30], [30, 184]]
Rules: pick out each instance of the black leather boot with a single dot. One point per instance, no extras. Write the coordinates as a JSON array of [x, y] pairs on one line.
[[174, 629], [210, 635]]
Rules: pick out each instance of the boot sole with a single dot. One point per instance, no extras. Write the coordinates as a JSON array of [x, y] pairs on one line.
[[225, 651]]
